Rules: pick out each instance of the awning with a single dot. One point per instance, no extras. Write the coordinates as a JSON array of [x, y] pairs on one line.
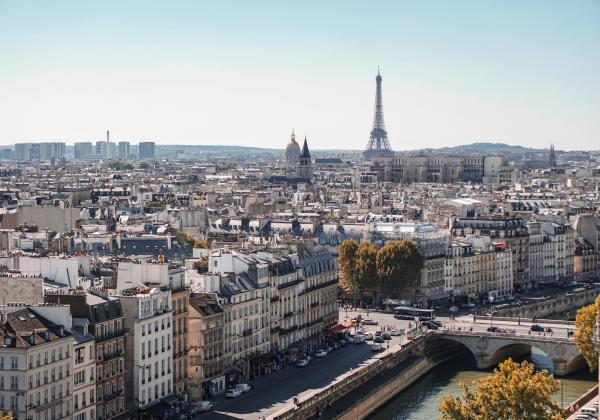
[[337, 328]]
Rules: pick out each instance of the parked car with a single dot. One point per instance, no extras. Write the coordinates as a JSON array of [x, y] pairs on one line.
[[328, 349], [233, 393], [359, 339], [342, 343], [243, 387], [302, 363], [438, 323], [378, 333], [377, 347], [200, 407], [321, 353], [378, 339], [397, 333], [493, 329], [429, 325], [369, 322], [386, 336], [537, 328], [368, 337]]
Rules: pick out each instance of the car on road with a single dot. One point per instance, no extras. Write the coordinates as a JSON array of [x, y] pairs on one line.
[[342, 343], [200, 407], [429, 325], [243, 388], [378, 339], [302, 363], [369, 322], [386, 336], [233, 393], [493, 329], [359, 339], [328, 349], [368, 337], [537, 328], [321, 353], [377, 347], [397, 333]]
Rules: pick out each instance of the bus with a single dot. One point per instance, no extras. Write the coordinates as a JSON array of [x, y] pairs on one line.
[[408, 312]]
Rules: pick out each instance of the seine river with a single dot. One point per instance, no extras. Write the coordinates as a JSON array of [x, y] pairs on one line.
[[420, 401]]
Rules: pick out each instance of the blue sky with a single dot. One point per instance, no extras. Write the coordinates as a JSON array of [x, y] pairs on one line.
[[247, 72]]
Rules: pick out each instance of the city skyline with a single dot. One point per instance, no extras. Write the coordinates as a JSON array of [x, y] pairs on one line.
[[239, 74]]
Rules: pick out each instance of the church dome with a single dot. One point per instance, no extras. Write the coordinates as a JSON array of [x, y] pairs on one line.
[[292, 152]]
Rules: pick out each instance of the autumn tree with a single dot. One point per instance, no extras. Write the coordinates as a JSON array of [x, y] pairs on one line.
[[585, 321], [513, 391], [347, 262], [6, 416], [366, 267], [398, 264]]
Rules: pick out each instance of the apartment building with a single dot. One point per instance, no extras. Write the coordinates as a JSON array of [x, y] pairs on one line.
[[536, 253], [35, 365], [511, 231], [558, 251], [105, 316], [148, 322], [172, 276], [206, 354], [84, 371]]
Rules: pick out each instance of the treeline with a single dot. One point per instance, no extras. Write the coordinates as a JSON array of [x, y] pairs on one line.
[[387, 270]]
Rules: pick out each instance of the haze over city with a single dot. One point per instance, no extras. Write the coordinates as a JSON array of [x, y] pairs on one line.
[[246, 73]]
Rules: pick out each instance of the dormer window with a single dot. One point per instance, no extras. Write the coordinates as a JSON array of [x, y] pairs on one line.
[[8, 341]]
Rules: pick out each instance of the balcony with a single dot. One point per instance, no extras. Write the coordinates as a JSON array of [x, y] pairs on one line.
[[288, 315], [105, 337], [289, 284], [285, 331], [314, 304], [275, 299], [274, 329], [321, 285], [110, 356], [247, 332], [113, 395]]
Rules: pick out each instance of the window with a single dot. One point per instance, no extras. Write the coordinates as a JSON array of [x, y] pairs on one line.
[[14, 362]]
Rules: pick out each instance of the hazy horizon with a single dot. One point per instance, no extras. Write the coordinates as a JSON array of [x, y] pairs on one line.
[[237, 73]]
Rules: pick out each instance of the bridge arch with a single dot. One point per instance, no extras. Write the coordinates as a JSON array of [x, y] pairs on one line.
[[489, 349]]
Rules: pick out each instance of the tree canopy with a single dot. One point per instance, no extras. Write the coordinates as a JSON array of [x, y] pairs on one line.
[[366, 266], [513, 391], [398, 264], [348, 250], [585, 321]]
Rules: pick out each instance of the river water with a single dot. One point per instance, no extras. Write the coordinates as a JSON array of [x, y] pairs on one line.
[[420, 401]]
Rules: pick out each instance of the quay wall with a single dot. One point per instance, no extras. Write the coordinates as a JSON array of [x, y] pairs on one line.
[[550, 306], [379, 396], [311, 405]]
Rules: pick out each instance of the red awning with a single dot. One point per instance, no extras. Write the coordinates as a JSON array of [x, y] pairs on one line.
[[338, 328]]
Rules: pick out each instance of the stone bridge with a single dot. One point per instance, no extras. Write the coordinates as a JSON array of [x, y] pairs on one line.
[[489, 349]]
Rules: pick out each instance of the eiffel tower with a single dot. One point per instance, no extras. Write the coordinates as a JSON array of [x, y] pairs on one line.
[[378, 145]]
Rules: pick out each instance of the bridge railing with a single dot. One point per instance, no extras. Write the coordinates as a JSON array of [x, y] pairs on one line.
[[532, 337]]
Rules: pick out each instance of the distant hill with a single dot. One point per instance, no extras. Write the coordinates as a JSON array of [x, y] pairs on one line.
[[482, 148]]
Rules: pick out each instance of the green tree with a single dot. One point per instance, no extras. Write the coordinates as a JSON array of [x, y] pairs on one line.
[[398, 264], [513, 391], [347, 266], [585, 321], [366, 267]]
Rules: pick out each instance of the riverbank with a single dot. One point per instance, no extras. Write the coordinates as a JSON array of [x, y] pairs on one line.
[[420, 401]]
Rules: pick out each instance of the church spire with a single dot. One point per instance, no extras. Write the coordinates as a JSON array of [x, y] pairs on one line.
[[305, 152]]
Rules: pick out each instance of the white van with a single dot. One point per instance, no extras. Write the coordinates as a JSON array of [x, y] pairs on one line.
[[359, 339]]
